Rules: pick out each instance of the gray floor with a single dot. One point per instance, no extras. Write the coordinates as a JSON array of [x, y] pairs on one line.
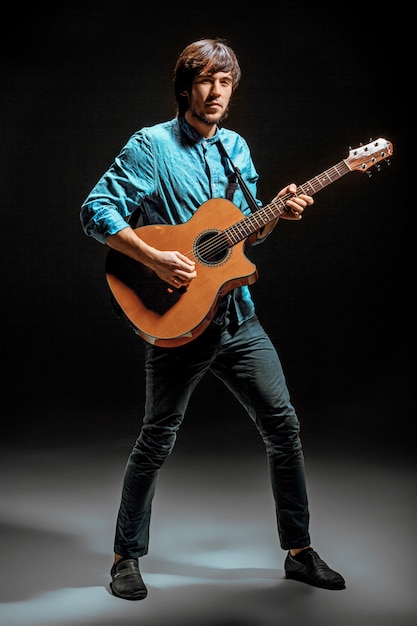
[[214, 558]]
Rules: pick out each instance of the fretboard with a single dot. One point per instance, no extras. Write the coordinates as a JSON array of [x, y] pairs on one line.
[[249, 225]]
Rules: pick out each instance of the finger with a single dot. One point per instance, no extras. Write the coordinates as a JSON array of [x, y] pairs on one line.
[[187, 262], [295, 211], [307, 199]]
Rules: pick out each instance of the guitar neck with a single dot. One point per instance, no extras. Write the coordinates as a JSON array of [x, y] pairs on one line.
[[249, 225]]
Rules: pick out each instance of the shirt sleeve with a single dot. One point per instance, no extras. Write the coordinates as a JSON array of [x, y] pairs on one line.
[[120, 190]]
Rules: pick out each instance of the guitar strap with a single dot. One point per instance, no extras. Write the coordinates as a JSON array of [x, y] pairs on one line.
[[233, 185], [226, 311]]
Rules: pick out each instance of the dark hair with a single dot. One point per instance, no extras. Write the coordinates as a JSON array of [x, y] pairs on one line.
[[205, 55]]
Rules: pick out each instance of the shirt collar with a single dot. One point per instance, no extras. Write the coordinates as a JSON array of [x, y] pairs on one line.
[[195, 136]]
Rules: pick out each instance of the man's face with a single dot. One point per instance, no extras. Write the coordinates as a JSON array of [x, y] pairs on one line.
[[210, 97]]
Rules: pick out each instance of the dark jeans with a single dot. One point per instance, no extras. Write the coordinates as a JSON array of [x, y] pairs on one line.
[[247, 363]]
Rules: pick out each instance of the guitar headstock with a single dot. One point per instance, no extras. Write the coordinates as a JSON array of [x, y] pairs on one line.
[[364, 157]]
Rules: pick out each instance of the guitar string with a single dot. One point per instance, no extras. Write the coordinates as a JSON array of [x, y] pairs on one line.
[[310, 187], [209, 249]]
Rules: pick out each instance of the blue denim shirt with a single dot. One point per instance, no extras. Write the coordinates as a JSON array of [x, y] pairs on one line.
[[166, 172]]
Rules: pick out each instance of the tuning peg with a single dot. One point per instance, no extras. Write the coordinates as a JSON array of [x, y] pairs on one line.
[[369, 173], [378, 167], [388, 162]]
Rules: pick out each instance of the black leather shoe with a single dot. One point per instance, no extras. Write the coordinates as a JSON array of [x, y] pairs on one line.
[[314, 571], [127, 582]]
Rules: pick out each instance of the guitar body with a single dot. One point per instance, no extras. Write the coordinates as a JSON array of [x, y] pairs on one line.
[[170, 317]]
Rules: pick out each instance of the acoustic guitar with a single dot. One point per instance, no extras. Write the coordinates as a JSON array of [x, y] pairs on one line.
[[214, 238]]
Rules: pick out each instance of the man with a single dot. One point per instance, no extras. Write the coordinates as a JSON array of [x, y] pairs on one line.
[[165, 173]]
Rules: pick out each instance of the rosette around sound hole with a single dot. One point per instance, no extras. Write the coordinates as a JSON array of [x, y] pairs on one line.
[[212, 248]]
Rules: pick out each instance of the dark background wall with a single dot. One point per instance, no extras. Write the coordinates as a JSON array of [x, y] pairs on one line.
[[334, 291]]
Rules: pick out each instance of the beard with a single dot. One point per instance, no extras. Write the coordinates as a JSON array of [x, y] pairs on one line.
[[205, 119]]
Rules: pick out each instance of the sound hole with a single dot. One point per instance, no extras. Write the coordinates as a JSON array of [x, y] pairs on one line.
[[211, 248]]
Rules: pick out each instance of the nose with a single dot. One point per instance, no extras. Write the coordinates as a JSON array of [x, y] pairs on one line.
[[215, 87]]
